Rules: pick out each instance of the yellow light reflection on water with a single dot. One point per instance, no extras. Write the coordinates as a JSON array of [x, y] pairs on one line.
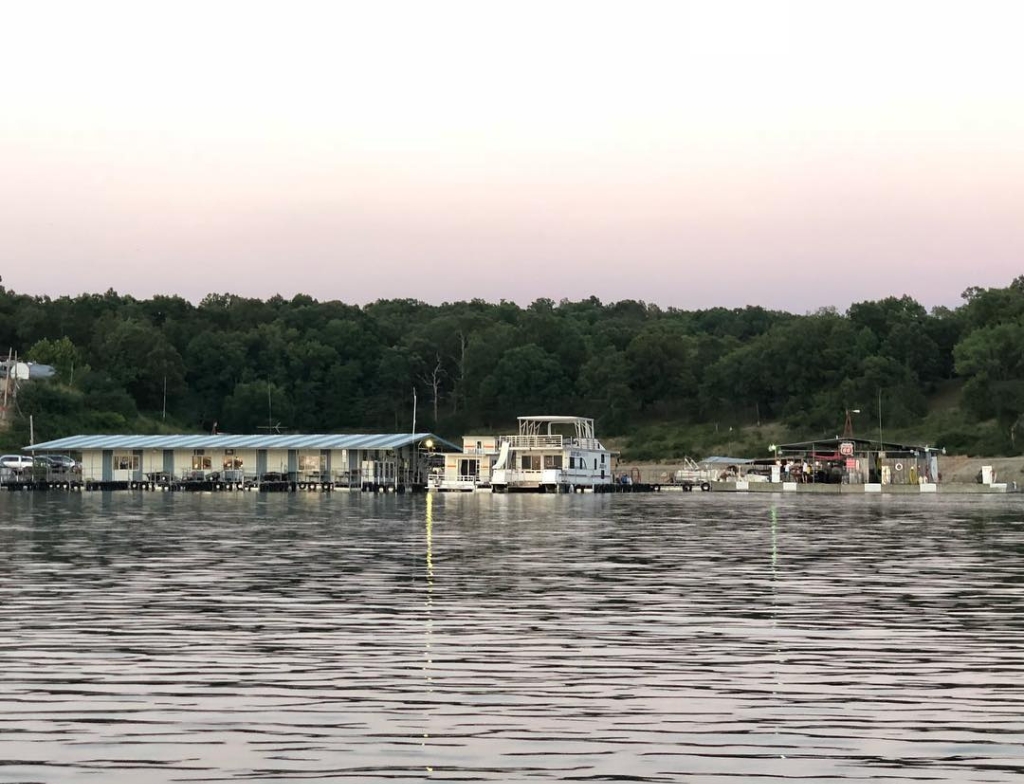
[[430, 525], [429, 626]]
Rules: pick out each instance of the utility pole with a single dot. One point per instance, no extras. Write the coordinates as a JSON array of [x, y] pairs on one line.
[[879, 419], [7, 376]]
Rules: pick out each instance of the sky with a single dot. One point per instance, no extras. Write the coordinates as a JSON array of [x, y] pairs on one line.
[[785, 153]]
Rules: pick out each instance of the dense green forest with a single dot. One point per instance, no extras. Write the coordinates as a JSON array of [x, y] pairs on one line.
[[677, 382]]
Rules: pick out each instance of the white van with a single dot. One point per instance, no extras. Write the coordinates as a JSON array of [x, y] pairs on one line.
[[16, 462]]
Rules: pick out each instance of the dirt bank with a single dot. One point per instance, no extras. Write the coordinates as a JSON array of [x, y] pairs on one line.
[[958, 468]]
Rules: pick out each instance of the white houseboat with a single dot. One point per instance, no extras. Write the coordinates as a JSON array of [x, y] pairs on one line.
[[551, 454]]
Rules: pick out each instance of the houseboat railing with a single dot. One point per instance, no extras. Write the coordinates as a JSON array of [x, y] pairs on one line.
[[440, 480], [552, 442], [535, 442]]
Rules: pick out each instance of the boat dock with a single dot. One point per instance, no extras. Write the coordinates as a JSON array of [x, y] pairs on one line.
[[549, 454], [200, 486]]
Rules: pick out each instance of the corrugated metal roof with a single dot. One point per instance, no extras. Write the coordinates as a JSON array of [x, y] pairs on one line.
[[862, 444], [227, 441]]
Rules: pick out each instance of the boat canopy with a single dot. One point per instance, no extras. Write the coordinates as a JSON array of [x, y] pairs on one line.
[[719, 460]]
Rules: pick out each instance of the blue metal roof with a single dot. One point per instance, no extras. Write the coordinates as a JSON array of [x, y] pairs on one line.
[[228, 441]]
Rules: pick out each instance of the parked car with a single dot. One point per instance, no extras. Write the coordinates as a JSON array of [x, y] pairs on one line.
[[44, 464], [16, 462], [61, 463]]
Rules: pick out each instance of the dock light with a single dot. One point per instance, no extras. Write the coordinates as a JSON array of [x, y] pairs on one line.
[[429, 443]]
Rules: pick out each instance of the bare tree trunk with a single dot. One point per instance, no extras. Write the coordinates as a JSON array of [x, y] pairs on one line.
[[433, 380]]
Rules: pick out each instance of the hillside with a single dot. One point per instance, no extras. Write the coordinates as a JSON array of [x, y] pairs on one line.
[[669, 382]]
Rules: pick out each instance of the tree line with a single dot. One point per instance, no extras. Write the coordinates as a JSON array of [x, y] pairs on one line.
[[239, 364]]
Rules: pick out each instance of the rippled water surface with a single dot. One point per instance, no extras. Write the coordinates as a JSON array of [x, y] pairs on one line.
[[672, 637]]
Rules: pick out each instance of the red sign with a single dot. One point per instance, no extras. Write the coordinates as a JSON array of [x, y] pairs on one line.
[[851, 462], [846, 448]]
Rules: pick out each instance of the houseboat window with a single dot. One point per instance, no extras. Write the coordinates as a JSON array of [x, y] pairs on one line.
[[232, 462], [531, 462], [126, 461], [469, 468], [201, 462], [602, 459], [572, 462], [552, 461], [595, 463]]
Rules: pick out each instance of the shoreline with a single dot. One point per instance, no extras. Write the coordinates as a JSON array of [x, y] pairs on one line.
[[954, 470], [949, 488]]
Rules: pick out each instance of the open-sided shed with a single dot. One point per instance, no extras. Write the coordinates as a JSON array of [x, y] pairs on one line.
[[857, 461]]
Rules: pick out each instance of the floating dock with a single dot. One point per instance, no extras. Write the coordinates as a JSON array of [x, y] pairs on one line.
[[201, 486]]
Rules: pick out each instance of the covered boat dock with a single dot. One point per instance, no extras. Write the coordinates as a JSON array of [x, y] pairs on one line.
[[395, 462]]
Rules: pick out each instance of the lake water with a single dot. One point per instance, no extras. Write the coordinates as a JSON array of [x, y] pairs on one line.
[[670, 637]]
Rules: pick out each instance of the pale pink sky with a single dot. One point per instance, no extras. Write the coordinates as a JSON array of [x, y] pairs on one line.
[[792, 154]]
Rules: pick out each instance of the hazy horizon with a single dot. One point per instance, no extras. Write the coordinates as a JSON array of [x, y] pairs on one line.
[[789, 154], [197, 300]]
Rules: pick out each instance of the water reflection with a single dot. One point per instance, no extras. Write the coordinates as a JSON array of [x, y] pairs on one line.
[[372, 638], [429, 624]]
